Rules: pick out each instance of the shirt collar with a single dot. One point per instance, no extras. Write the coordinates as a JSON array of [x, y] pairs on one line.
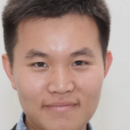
[[21, 124]]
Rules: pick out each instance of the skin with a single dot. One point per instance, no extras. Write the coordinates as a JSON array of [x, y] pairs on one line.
[[59, 77]]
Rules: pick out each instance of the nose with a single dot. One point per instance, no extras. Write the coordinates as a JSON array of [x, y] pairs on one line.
[[61, 82]]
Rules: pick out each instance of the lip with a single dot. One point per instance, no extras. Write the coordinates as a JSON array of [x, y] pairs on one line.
[[61, 106]]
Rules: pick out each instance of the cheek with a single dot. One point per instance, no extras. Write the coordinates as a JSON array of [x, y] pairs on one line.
[[30, 85], [90, 84], [89, 92]]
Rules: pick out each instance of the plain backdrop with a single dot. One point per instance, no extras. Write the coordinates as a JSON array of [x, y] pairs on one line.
[[113, 112]]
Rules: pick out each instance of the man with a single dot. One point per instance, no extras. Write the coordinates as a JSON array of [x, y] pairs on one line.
[[56, 60]]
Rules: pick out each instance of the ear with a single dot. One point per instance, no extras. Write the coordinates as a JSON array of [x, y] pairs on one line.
[[108, 62], [8, 69]]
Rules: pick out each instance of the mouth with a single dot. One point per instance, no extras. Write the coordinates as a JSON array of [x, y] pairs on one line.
[[61, 106]]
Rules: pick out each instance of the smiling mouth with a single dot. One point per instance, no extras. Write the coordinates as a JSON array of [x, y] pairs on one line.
[[61, 106]]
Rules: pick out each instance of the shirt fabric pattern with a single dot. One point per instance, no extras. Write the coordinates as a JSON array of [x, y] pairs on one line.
[[21, 125]]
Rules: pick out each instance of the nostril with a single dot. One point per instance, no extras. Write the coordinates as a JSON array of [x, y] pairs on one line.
[[61, 88]]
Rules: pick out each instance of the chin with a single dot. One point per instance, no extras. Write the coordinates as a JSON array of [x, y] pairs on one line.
[[64, 126]]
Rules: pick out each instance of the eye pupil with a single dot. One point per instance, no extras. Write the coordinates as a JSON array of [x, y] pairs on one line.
[[40, 64], [79, 62]]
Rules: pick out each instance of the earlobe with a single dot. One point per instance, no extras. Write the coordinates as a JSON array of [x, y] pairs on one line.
[[8, 69], [108, 62]]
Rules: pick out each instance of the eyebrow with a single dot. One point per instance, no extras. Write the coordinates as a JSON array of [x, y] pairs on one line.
[[84, 51], [35, 53]]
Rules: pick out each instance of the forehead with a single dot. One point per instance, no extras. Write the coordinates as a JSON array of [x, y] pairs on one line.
[[58, 33]]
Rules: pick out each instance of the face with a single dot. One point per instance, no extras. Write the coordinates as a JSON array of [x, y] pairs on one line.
[[58, 71]]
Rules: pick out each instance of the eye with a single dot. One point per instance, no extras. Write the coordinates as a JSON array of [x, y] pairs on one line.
[[80, 63], [40, 64]]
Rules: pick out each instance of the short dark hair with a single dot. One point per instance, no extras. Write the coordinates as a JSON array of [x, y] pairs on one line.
[[18, 10]]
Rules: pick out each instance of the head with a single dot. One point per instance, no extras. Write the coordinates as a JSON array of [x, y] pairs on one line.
[[57, 59]]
